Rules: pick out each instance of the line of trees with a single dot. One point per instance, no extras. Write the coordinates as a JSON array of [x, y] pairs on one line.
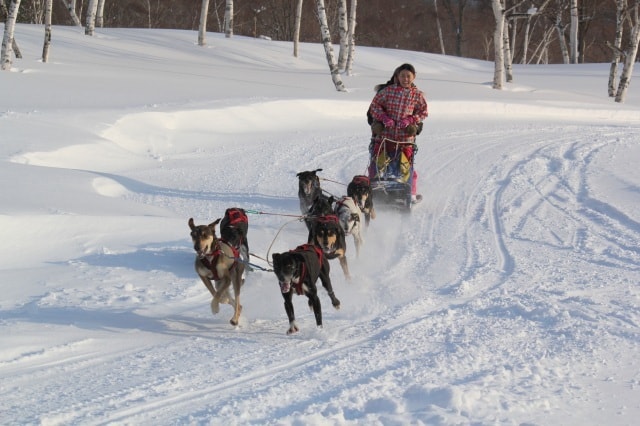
[[454, 27], [505, 31]]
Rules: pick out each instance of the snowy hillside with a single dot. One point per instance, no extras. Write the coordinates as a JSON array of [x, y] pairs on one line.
[[508, 296]]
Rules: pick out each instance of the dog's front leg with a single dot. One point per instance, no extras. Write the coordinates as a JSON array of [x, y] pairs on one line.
[[204, 273], [222, 287], [237, 285], [314, 301], [207, 283], [288, 308], [357, 241], [345, 266], [326, 283]]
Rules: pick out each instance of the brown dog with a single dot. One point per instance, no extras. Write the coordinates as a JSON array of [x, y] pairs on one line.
[[327, 234], [217, 260], [360, 190]]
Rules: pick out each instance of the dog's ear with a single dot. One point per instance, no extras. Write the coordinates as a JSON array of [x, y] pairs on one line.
[[191, 224], [212, 225], [276, 259]]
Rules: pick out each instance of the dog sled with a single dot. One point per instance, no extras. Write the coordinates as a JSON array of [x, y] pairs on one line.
[[391, 172]]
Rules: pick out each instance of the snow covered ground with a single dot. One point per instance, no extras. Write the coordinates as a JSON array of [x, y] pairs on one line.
[[508, 296]]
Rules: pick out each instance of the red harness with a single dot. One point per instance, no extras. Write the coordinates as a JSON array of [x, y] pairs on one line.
[[210, 260], [361, 180], [303, 269]]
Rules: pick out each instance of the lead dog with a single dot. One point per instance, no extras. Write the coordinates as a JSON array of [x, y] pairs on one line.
[[328, 235], [360, 190], [349, 215], [308, 189], [217, 262], [298, 270]]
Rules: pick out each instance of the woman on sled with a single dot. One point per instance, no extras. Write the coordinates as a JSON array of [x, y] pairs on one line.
[[397, 111]]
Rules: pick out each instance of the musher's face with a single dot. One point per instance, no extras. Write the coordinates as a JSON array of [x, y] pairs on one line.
[[405, 78]]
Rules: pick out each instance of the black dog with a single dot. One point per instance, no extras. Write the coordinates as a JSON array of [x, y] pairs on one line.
[[233, 230], [360, 190], [321, 206], [308, 189], [298, 270], [328, 235]]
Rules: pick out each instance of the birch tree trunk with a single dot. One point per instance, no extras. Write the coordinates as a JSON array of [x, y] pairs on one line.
[[90, 24], [296, 31], [202, 30], [508, 54], [343, 29], [573, 32], [631, 54], [525, 42], [72, 12], [7, 39], [14, 43], [498, 40], [228, 19], [621, 5], [561, 39], [48, 7], [439, 28], [352, 36], [100, 14], [328, 47]]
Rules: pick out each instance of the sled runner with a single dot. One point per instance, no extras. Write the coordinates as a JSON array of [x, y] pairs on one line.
[[391, 172]]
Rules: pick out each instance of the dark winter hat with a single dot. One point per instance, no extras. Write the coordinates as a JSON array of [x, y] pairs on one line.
[[403, 67]]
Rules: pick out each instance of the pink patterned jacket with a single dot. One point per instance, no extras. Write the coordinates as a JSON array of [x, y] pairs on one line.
[[396, 102]]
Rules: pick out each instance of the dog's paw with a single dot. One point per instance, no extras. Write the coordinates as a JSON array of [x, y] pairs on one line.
[[293, 328], [215, 306]]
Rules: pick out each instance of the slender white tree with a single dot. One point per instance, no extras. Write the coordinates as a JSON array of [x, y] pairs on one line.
[[202, 30], [560, 28], [48, 7], [573, 32], [498, 41], [90, 24], [72, 12], [525, 42], [296, 31], [352, 36], [14, 43], [508, 54], [633, 15], [621, 6], [343, 30], [228, 19], [328, 47], [100, 14], [439, 27], [7, 40]]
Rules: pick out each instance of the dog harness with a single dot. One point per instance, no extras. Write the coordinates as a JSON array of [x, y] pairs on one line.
[[361, 180], [303, 270], [327, 219], [209, 260]]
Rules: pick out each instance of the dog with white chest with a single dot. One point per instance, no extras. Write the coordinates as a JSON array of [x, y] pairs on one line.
[[349, 217]]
